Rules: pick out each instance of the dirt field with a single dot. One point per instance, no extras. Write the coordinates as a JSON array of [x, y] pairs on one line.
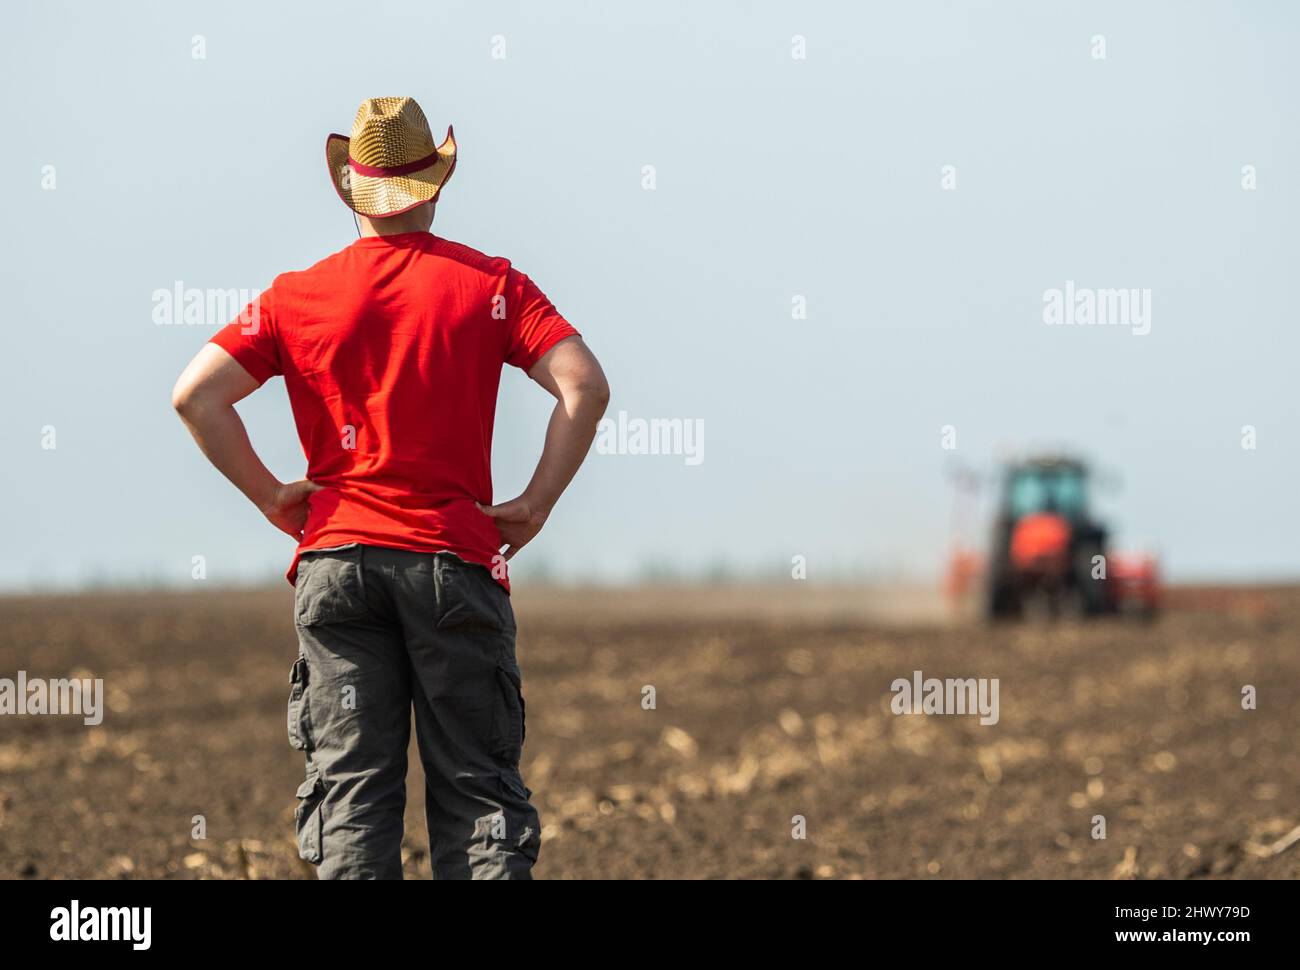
[[770, 704]]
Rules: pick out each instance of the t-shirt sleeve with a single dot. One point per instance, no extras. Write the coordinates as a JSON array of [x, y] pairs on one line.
[[251, 338], [535, 326]]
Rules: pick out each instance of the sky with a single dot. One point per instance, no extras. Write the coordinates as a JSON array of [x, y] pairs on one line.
[[821, 232]]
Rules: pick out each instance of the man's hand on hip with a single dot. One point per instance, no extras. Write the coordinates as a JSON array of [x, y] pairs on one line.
[[288, 507], [518, 521]]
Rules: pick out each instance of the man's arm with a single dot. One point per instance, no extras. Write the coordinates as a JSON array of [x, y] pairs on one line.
[[573, 376], [205, 397]]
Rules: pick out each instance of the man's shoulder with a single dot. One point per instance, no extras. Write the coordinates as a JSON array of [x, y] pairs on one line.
[[322, 267], [470, 257]]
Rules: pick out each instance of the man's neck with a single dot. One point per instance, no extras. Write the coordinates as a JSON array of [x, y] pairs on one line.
[[395, 225]]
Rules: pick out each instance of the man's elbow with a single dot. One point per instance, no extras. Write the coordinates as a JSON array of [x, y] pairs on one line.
[[600, 391], [582, 386], [182, 397], [593, 390], [187, 397]]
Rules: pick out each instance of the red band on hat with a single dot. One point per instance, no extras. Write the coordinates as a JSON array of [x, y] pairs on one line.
[[391, 170]]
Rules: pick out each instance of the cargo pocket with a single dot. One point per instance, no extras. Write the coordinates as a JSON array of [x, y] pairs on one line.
[[509, 741], [308, 819], [329, 588], [299, 715]]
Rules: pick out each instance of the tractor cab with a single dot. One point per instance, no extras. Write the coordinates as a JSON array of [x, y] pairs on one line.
[[1047, 487]]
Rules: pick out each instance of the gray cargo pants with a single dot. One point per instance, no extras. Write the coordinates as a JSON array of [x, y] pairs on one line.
[[380, 630]]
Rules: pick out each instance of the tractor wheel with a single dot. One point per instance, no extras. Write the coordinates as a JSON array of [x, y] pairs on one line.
[[1001, 601], [1092, 591]]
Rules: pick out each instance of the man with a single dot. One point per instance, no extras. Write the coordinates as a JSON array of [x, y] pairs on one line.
[[391, 351]]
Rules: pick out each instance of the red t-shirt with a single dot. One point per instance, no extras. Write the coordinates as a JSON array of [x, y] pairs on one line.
[[391, 351]]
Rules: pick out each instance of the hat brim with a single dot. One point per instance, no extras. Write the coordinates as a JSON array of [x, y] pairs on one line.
[[389, 195]]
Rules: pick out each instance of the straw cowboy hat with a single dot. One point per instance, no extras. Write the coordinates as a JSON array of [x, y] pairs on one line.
[[390, 164]]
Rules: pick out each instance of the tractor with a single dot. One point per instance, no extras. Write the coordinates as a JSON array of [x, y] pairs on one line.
[[1049, 553]]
